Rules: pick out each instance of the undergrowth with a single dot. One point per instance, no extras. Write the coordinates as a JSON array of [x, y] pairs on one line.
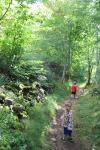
[[87, 120], [41, 118]]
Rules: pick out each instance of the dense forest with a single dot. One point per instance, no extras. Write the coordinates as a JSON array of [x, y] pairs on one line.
[[45, 45]]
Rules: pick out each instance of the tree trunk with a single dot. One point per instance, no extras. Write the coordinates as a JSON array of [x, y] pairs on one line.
[[97, 76], [89, 74], [64, 73], [89, 68]]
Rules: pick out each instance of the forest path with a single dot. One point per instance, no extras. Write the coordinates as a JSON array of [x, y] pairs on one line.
[[56, 132]]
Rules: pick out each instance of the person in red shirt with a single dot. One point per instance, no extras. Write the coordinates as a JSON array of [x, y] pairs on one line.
[[74, 89]]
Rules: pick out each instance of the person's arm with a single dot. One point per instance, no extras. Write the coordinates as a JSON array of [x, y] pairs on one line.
[[62, 120], [71, 121]]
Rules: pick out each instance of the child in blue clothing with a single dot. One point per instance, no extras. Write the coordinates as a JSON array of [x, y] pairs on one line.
[[67, 123]]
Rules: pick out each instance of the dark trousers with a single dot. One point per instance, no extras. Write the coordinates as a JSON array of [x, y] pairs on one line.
[[74, 93], [67, 132]]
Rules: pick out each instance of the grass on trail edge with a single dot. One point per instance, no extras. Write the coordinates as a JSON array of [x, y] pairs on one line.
[[41, 119], [87, 121]]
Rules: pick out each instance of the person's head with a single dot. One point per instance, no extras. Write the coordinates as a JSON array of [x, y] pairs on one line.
[[75, 82]]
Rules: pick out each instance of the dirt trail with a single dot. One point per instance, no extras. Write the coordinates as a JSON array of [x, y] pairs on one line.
[[56, 132]]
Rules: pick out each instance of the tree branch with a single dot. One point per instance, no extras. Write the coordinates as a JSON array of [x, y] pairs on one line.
[[6, 11]]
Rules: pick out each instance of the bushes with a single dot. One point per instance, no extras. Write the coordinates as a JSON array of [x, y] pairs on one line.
[[11, 134], [40, 120], [95, 91], [29, 133], [38, 124]]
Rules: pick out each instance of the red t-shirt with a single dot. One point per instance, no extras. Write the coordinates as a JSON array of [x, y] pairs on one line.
[[73, 88]]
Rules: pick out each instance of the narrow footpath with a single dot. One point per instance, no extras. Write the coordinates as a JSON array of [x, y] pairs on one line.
[[56, 132]]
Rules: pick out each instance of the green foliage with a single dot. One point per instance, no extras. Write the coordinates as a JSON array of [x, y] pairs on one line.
[[95, 90], [40, 119], [54, 31], [47, 41], [14, 35], [11, 135], [37, 127], [87, 120]]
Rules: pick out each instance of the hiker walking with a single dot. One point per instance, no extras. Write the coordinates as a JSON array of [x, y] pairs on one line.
[[73, 90], [67, 123]]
